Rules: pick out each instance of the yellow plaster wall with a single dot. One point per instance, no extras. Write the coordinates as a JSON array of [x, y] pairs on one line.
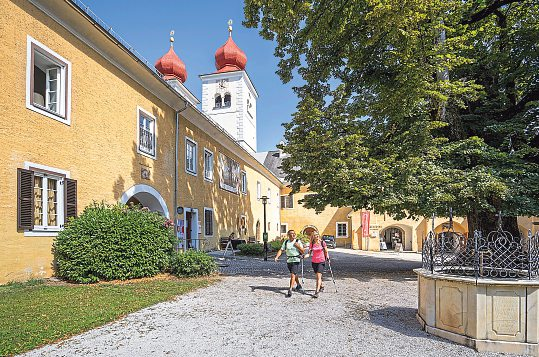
[[228, 207], [298, 217], [98, 148]]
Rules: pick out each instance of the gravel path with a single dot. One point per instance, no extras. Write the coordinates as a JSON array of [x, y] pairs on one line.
[[246, 314]]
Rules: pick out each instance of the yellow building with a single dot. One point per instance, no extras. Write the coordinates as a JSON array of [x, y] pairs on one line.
[[363, 229], [87, 119]]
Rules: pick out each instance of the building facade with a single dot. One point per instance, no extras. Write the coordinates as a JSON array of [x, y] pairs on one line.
[[86, 119]]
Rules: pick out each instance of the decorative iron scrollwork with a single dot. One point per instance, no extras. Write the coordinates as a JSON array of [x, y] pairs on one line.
[[497, 255]]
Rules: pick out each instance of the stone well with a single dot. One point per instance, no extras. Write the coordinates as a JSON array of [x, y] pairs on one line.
[[486, 314]]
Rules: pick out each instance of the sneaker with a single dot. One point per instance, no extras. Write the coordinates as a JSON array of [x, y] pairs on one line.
[[315, 295], [289, 293], [321, 288], [299, 288]]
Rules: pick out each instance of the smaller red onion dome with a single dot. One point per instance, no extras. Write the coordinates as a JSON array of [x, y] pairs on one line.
[[230, 57], [171, 66]]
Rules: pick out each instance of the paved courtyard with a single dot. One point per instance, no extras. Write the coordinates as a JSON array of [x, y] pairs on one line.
[[247, 314]]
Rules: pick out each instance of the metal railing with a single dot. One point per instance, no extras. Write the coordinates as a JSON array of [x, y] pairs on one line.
[[497, 255], [146, 141]]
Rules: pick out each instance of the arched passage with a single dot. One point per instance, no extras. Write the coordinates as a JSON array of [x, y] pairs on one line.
[[457, 227], [391, 236], [147, 196], [308, 230]]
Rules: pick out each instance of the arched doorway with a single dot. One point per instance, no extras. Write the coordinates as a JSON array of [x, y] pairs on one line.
[[391, 236], [308, 230], [146, 196]]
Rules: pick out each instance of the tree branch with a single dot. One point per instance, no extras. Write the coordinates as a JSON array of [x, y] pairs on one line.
[[490, 9], [531, 96]]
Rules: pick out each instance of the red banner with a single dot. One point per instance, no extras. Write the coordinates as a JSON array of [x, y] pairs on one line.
[[365, 223]]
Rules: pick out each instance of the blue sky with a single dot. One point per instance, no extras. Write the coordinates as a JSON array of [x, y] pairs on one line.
[[200, 28]]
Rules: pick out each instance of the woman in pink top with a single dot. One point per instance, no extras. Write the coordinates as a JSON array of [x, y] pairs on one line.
[[319, 254]]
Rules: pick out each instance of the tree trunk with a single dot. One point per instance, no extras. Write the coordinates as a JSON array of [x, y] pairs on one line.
[[487, 222]]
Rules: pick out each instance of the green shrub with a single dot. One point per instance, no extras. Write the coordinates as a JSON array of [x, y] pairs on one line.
[[276, 245], [108, 242], [303, 238], [192, 263], [255, 249]]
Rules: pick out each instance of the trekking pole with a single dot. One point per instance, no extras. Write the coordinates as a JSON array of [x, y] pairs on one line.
[[302, 282], [331, 271]]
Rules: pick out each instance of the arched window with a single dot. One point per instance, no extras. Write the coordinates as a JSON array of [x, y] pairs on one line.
[[228, 100], [218, 102]]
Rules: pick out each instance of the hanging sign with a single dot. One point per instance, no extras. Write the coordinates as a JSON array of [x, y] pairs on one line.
[[365, 221], [180, 228]]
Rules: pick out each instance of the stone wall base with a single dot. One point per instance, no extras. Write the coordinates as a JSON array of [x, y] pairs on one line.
[[522, 348]]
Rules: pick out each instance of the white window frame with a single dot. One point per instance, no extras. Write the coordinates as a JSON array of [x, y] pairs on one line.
[[243, 182], [212, 222], [258, 190], [206, 171], [337, 230], [269, 195], [195, 153], [64, 116], [148, 115], [45, 231], [281, 228]]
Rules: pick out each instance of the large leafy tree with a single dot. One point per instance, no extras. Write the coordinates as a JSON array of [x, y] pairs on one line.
[[411, 106]]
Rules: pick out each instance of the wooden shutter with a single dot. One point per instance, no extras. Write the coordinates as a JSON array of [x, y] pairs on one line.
[[25, 199], [70, 199]]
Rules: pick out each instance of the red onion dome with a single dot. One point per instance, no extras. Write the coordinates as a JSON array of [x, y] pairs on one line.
[[171, 66], [230, 57]]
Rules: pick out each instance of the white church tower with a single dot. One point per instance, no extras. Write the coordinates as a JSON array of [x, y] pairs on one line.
[[229, 97]]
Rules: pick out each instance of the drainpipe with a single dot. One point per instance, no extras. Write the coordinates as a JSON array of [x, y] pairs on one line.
[[177, 138]]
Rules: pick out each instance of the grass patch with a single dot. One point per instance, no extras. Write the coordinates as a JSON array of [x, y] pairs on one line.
[[37, 313]]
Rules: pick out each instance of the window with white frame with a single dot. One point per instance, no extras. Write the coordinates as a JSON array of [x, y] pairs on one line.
[[243, 176], [208, 165], [46, 198], [48, 82], [208, 222], [284, 228], [342, 229], [146, 133], [269, 195], [190, 156], [48, 207], [287, 201], [258, 190]]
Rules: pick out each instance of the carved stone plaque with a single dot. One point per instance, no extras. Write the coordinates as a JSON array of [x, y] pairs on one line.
[[506, 313]]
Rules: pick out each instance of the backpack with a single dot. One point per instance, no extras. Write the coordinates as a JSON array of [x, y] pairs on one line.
[[286, 246]]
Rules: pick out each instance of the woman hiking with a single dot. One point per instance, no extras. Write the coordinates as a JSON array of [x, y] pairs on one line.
[[294, 250], [319, 254]]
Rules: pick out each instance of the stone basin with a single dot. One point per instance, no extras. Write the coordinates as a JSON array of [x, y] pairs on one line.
[[488, 315]]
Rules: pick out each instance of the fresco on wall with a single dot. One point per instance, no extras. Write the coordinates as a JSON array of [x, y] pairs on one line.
[[229, 174]]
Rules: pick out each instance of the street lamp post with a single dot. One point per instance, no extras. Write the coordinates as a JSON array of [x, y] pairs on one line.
[[265, 234]]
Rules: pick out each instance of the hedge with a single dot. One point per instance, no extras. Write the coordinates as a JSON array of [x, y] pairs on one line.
[[109, 242]]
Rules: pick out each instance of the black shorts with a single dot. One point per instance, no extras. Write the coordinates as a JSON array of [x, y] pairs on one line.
[[293, 267], [319, 267]]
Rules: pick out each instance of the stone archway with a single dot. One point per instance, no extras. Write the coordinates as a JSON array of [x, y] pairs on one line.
[[392, 235], [147, 196], [308, 230]]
